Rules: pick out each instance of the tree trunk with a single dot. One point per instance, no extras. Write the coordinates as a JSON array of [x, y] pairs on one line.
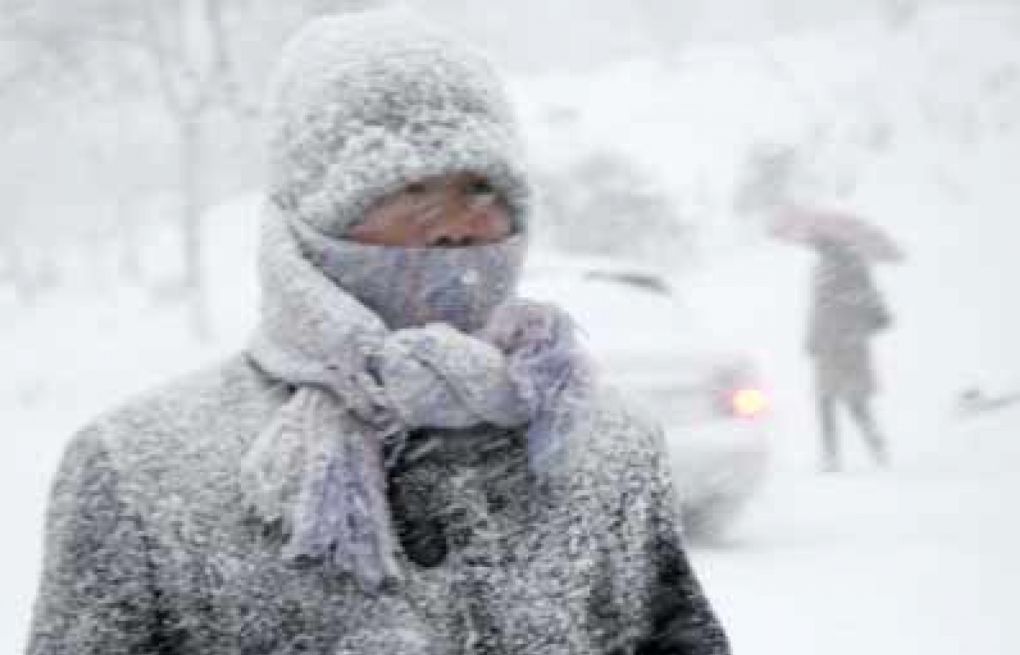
[[11, 271], [128, 229], [191, 222]]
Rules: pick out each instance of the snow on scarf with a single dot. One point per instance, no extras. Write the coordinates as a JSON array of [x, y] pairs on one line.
[[317, 468]]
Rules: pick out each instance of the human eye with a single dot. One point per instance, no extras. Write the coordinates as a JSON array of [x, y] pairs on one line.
[[482, 193], [481, 187]]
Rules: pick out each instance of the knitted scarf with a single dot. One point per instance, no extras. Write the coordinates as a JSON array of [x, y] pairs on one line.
[[318, 467]]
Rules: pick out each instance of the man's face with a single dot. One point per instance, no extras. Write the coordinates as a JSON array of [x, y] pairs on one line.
[[450, 211]]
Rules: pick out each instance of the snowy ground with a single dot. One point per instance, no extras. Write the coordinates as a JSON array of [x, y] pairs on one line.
[[919, 559]]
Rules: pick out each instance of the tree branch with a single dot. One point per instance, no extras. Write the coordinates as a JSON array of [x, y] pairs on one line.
[[162, 61]]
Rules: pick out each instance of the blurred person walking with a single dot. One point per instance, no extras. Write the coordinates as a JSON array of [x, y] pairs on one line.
[[407, 458], [847, 311]]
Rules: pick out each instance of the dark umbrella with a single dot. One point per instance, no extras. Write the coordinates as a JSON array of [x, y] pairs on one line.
[[808, 226]]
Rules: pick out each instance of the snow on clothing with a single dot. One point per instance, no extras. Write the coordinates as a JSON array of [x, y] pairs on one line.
[[365, 384], [170, 532], [150, 547], [362, 104], [846, 312]]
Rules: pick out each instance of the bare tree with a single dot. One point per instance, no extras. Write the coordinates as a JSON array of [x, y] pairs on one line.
[[202, 63], [594, 200], [21, 63], [175, 52], [900, 13], [186, 46]]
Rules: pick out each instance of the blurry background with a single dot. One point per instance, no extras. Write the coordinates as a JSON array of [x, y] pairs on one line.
[[129, 177]]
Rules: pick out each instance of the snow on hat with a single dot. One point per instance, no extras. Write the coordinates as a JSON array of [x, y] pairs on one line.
[[363, 103]]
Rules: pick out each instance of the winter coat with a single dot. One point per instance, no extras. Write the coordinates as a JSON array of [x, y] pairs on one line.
[[847, 311], [150, 550]]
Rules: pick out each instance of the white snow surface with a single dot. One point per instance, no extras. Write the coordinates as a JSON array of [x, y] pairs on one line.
[[917, 559]]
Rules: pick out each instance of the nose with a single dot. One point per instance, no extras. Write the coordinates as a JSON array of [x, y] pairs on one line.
[[456, 234], [465, 223]]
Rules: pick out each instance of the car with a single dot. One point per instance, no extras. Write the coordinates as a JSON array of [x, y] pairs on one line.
[[709, 399]]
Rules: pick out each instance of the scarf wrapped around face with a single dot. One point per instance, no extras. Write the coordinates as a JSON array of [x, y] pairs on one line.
[[362, 378]]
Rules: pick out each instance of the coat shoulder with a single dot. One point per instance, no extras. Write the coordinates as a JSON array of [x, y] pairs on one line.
[[200, 422], [172, 409], [617, 438]]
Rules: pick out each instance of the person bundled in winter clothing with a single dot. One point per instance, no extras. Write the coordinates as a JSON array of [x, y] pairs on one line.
[[407, 457], [847, 311]]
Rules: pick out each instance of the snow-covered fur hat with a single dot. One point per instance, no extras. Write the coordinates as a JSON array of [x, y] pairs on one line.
[[364, 103]]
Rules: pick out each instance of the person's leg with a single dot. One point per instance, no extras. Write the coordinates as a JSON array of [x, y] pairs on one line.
[[860, 409], [830, 438]]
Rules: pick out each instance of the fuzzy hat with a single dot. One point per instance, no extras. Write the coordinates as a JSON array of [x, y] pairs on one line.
[[364, 103]]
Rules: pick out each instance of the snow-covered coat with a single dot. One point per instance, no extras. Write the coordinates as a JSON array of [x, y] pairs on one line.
[[152, 547]]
